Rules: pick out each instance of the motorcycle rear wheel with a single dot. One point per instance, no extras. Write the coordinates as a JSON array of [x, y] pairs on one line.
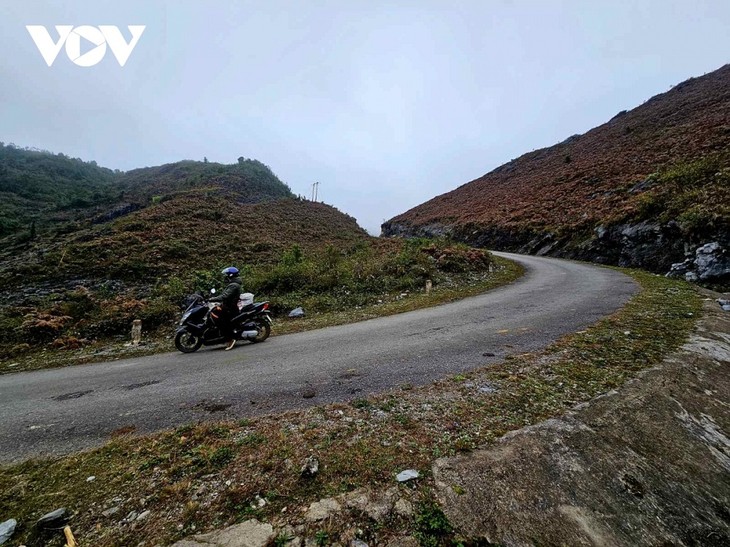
[[264, 332], [187, 342]]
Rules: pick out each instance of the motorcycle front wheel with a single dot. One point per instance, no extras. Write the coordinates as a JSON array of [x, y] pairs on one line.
[[264, 332], [187, 343]]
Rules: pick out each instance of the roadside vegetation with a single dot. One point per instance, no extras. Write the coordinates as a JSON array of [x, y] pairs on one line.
[[367, 278], [202, 477], [695, 194]]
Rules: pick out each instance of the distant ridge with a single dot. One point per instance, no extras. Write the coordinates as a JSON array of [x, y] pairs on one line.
[[48, 189], [64, 218]]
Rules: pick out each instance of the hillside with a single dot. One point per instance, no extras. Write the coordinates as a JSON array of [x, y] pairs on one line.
[[162, 233], [192, 231], [85, 248], [45, 188], [47, 191], [639, 190], [248, 180], [152, 222]]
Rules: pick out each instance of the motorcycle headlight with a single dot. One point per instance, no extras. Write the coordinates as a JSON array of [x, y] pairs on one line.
[[184, 317]]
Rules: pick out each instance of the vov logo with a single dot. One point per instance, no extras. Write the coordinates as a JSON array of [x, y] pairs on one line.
[[98, 39]]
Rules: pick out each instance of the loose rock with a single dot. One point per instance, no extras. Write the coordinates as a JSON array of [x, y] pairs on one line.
[[296, 312], [711, 263], [6, 530], [377, 506], [258, 502], [322, 509], [52, 517], [310, 467], [143, 515], [250, 533], [111, 511], [407, 475], [403, 508]]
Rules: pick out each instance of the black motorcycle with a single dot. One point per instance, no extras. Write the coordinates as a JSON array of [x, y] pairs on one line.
[[198, 325]]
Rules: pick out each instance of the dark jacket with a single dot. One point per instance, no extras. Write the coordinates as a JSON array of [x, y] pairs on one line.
[[229, 297]]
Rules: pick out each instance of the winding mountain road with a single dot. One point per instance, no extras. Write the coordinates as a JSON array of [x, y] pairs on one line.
[[62, 410]]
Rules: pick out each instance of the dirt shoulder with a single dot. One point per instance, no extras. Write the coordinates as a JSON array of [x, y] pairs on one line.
[[644, 465]]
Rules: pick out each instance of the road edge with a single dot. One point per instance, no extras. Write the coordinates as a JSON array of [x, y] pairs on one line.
[[645, 464]]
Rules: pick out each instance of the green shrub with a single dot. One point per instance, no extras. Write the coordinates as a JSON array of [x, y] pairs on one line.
[[432, 526], [156, 313], [696, 219], [695, 194], [176, 249], [77, 304], [222, 456], [322, 538]]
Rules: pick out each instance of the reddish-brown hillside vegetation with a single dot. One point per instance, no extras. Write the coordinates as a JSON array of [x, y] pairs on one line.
[[638, 190]]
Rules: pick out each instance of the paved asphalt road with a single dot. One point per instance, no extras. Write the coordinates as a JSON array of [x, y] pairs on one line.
[[63, 410]]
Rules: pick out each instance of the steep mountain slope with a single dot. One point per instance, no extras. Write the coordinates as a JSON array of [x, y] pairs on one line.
[[639, 190], [192, 231]]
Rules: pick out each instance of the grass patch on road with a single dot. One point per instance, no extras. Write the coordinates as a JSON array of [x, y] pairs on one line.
[[202, 477]]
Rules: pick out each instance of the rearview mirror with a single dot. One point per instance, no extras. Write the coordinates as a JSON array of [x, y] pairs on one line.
[[212, 291]]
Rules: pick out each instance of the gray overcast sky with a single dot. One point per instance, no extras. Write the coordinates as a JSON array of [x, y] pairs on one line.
[[387, 104]]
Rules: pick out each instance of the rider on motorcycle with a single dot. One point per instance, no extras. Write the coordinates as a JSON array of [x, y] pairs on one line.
[[229, 304]]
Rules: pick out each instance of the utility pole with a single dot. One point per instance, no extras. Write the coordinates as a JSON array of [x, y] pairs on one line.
[[315, 188]]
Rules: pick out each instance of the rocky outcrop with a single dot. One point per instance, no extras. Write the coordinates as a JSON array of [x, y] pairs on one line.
[[657, 247], [710, 263], [646, 465], [250, 533], [120, 210], [646, 244], [300, 529]]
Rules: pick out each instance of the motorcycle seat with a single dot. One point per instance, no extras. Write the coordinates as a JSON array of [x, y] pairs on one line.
[[250, 309]]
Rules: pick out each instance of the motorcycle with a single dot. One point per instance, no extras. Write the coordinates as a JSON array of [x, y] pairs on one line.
[[198, 324]]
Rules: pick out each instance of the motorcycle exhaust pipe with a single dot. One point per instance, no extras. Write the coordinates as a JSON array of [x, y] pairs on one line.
[[249, 334]]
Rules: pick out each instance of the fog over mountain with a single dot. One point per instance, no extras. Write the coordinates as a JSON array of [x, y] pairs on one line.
[[385, 104]]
